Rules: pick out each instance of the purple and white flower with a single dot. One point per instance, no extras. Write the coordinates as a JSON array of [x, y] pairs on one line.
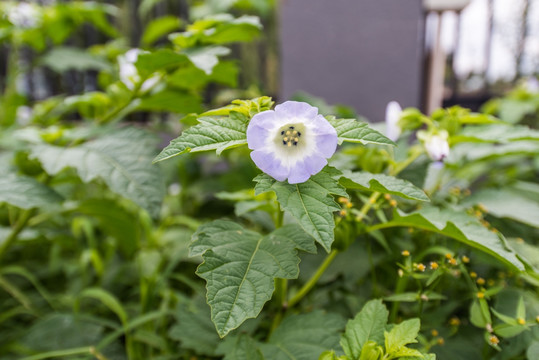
[[129, 74], [291, 142], [393, 115], [24, 15], [437, 146]]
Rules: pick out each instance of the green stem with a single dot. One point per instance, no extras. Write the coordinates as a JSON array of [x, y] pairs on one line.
[[60, 353], [24, 216], [314, 279], [399, 288]]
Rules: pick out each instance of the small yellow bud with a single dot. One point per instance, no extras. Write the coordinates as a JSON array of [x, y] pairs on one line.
[[387, 197], [448, 256], [491, 282], [480, 281], [421, 267], [440, 341], [521, 321], [343, 200], [393, 202], [480, 295], [465, 259], [434, 332], [349, 205], [434, 265], [372, 200], [405, 253], [342, 212], [473, 274], [454, 321], [452, 261], [493, 339]]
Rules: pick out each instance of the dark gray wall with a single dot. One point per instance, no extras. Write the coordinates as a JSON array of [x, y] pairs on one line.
[[362, 53]]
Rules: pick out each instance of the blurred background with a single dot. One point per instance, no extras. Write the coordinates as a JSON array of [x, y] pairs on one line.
[[360, 53]]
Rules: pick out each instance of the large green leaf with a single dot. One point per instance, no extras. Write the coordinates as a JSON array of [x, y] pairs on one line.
[[304, 337], [213, 133], [311, 203], [61, 59], [382, 183], [368, 325], [495, 133], [160, 27], [194, 327], [242, 347], [507, 203], [171, 101], [357, 131], [26, 193], [240, 267], [462, 227], [121, 159]]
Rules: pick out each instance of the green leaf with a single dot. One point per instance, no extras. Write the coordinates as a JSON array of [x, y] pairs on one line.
[[242, 347], [509, 331], [356, 131], [26, 192], [240, 267], [368, 325], [478, 317], [159, 27], [106, 299], [206, 58], [303, 337], [462, 227], [121, 159], [194, 327], [246, 107], [212, 133], [497, 133], [171, 101], [243, 29], [161, 59], [405, 297], [401, 335], [371, 351], [507, 203], [514, 110], [311, 203], [382, 183], [61, 59]]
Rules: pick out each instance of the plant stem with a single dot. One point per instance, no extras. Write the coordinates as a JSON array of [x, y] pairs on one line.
[[314, 279], [24, 216]]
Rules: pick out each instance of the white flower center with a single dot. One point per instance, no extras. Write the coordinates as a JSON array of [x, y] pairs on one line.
[[290, 136]]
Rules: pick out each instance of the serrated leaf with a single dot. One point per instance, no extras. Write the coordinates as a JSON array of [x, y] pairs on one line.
[[310, 203], [121, 159], [26, 193], [240, 267], [382, 183], [242, 347], [462, 227], [160, 27], [356, 131], [247, 107], [368, 325], [212, 133], [303, 337], [401, 335], [194, 327]]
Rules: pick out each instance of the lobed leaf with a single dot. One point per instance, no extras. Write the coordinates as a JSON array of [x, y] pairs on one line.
[[497, 133], [26, 192], [121, 159], [382, 183], [311, 203], [240, 267], [212, 133], [356, 131], [401, 335]]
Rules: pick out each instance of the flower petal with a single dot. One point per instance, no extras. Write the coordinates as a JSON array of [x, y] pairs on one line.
[[256, 136], [269, 164], [321, 126], [326, 144], [296, 109], [303, 170]]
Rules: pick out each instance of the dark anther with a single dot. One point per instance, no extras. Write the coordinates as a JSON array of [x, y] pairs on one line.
[[299, 134], [291, 127], [284, 142], [295, 143], [282, 132]]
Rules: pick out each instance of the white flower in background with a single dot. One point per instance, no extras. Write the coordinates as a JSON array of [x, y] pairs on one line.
[[24, 15], [24, 115], [532, 84], [393, 115], [436, 145], [291, 142], [129, 74]]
